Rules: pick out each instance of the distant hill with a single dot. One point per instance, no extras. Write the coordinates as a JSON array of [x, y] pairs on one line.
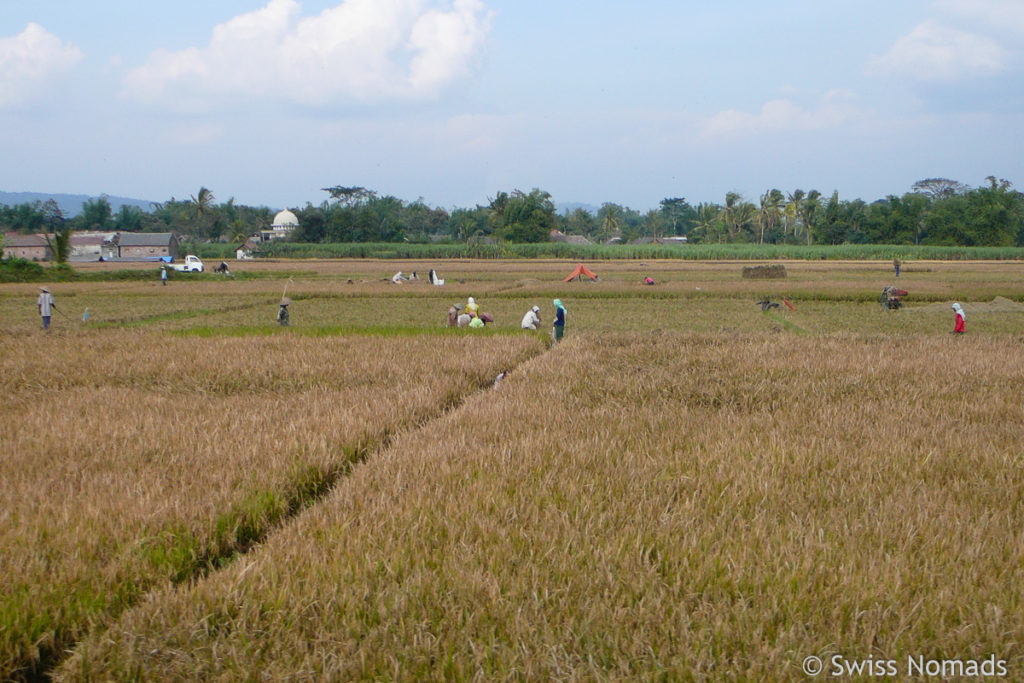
[[70, 204]]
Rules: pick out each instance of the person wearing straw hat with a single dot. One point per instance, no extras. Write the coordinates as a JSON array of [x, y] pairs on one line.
[[44, 303], [282, 312]]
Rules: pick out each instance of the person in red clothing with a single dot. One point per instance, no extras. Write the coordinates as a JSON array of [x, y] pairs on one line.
[[958, 325]]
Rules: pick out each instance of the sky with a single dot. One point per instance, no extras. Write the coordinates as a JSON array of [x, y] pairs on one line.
[[453, 101]]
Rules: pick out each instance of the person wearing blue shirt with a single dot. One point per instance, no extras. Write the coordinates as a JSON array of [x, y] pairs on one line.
[[558, 328]]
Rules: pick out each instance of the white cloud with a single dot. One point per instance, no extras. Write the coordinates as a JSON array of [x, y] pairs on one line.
[[359, 50], [31, 62], [835, 109], [934, 52], [1002, 15]]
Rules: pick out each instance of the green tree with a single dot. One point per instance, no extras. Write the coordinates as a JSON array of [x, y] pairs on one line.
[[524, 217], [610, 218], [201, 207], [805, 208], [349, 196], [60, 244], [679, 213], [939, 188], [128, 219], [738, 215], [709, 227], [96, 214], [580, 222], [770, 214]]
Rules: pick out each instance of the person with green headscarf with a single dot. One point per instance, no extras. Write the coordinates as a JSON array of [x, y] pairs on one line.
[[558, 328]]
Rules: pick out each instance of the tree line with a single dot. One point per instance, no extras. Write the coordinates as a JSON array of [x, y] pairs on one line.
[[936, 211]]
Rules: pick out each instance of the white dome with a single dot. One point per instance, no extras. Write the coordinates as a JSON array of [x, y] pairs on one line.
[[285, 219]]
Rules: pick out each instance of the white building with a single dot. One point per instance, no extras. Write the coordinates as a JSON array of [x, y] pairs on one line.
[[283, 226]]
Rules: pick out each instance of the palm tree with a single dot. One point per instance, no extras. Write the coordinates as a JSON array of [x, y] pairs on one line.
[[202, 205], [808, 211], [771, 211], [707, 220], [793, 210], [737, 214]]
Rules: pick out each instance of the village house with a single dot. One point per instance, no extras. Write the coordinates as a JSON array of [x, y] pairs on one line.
[[91, 246], [559, 236], [246, 251], [146, 245], [31, 247]]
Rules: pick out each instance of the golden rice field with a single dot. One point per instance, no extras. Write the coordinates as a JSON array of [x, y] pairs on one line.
[[686, 488]]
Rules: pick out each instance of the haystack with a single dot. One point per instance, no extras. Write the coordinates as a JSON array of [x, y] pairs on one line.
[[764, 272]]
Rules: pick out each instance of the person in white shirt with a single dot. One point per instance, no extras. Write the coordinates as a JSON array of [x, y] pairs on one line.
[[532, 319], [45, 303]]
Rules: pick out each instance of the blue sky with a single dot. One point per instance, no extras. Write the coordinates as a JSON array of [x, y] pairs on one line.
[[455, 100]]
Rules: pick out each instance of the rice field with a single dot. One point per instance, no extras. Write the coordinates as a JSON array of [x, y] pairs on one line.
[[685, 488]]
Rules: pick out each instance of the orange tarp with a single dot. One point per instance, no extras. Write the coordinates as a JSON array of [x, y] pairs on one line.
[[580, 271]]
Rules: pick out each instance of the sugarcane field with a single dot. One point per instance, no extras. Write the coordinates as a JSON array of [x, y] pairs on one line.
[[513, 469]]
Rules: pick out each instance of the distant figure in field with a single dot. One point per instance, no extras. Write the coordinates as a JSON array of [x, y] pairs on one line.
[[476, 323], [464, 320], [44, 303], [958, 320], [453, 315], [558, 326], [434, 279], [163, 275], [896, 266], [398, 278], [223, 269], [532, 319], [283, 319], [472, 307], [648, 280]]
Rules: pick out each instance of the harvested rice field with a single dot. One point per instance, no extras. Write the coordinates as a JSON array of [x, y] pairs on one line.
[[685, 488]]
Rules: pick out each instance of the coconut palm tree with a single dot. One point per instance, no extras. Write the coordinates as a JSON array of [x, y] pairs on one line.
[[201, 205], [808, 212], [707, 221], [793, 210], [737, 214], [771, 211]]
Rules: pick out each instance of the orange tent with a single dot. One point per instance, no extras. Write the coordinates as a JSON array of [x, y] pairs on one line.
[[580, 271]]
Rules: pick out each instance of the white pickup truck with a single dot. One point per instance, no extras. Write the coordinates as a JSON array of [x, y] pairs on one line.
[[192, 264]]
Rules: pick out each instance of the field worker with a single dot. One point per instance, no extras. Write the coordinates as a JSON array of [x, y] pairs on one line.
[[283, 319], [471, 306], [648, 280], [453, 315], [896, 266], [476, 323], [958, 323], [397, 278], [558, 327], [464, 320], [163, 275], [532, 319], [44, 303]]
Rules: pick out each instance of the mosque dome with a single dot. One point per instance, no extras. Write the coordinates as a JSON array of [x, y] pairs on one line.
[[285, 219]]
